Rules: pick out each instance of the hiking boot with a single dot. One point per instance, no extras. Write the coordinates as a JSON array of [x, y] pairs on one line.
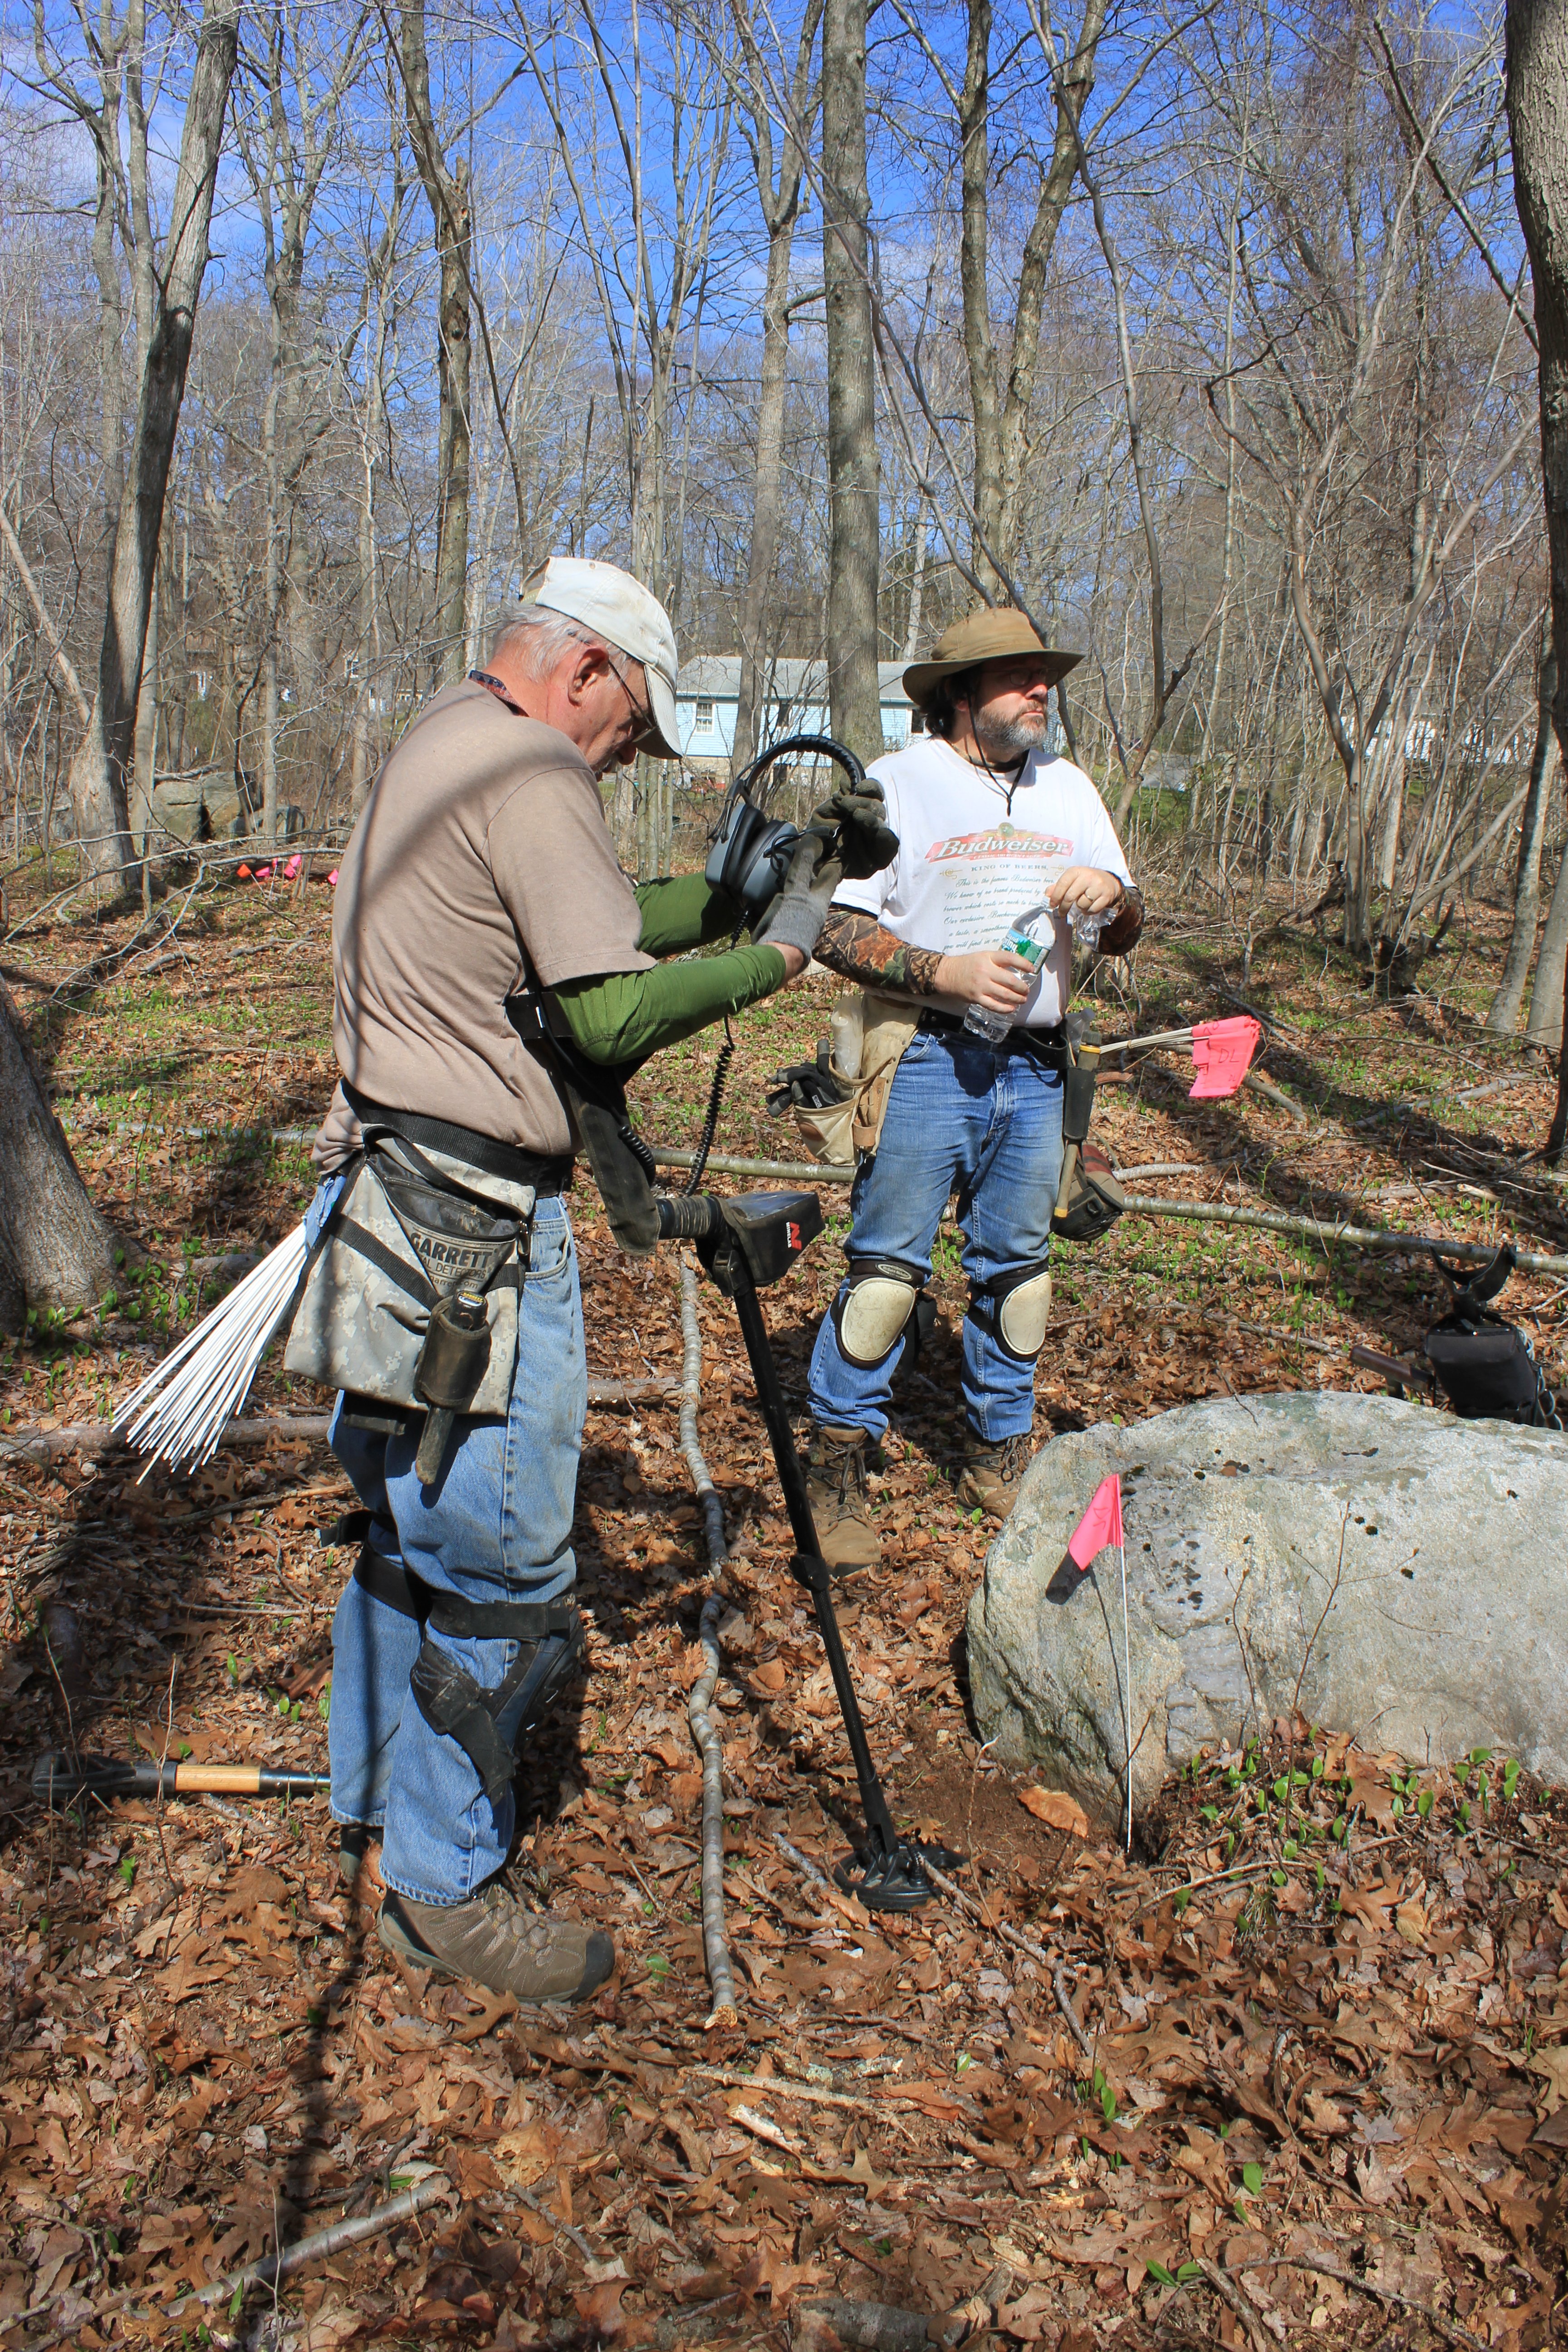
[[495, 1939], [840, 1499], [988, 1480], [359, 1859]]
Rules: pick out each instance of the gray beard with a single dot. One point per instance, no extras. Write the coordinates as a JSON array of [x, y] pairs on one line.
[[1003, 741]]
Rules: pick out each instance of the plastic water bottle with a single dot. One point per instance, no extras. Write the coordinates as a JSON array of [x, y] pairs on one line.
[[1020, 941]]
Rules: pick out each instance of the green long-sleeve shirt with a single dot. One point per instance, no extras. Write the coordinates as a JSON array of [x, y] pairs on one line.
[[624, 1016]]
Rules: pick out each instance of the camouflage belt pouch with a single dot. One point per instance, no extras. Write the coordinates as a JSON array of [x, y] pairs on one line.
[[408, 1228]]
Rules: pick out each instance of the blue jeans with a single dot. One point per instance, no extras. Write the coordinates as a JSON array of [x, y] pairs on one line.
[[984, 1119], [496, 1526]]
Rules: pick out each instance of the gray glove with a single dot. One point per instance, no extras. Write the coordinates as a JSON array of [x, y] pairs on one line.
[[867, 842], [797, 916]]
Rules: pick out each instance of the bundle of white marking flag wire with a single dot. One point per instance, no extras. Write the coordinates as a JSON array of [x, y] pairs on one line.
[[178, 1412]]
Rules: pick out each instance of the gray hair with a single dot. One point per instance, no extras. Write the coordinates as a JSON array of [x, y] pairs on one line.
[[535, 638]]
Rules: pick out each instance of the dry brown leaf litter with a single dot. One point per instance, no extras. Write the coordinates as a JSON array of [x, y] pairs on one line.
[[208, 2051]]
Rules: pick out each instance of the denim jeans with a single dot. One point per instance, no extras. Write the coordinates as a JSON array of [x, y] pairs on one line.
[[984, 1119], [496, 1526]]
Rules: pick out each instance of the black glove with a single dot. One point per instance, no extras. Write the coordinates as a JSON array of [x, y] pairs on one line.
[[866, 841], [806, 1086]]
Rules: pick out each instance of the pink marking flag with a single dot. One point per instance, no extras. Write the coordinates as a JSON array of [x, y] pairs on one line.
[[1222, 1052], [293, 869], [1100, 1524]]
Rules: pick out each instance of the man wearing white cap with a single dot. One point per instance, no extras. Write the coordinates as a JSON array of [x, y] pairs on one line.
[[481, 874]]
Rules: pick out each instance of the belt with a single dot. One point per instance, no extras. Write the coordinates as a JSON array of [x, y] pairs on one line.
[[1046, 1043], [547, 1174]]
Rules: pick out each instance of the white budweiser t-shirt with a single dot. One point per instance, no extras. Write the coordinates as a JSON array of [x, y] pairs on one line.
[[969, 865]]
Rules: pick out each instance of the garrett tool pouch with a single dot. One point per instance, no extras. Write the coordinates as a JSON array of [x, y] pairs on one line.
[[1485, 1365], [411, 1227]]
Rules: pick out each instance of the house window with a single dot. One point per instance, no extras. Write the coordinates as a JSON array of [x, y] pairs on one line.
[[703, 724]]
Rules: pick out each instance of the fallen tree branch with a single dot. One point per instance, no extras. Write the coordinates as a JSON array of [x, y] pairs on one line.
[[325, 2242], [1385, 2294], [1274, 1221], [1036, 1952], [97, 1437], [1251, 2318], [782, 2086], [704, 1731], [1259, 1084]]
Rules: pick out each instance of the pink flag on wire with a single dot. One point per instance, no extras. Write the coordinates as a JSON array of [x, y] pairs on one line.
[[1222, 1052], [1100, 1524]]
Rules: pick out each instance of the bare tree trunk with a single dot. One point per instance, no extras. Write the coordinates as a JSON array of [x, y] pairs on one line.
[[1536, 37], [1544, 1022], [1503, 1014], [854, 474], [1000, 409], [446, 187], [104, 757], [55, 1251], [781, 208]]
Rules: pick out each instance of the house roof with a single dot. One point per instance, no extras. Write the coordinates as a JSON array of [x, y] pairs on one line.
[[718, 676]]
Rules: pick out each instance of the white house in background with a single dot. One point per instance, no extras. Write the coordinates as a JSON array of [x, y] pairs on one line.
[[794, 702]]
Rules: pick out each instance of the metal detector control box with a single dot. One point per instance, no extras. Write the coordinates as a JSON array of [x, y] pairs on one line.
[[773, 1229]]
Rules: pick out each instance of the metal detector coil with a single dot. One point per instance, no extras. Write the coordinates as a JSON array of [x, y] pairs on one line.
[[751, 850], [743, 1244]]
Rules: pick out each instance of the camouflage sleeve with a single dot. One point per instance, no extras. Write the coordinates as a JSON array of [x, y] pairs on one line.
[[857, 945]]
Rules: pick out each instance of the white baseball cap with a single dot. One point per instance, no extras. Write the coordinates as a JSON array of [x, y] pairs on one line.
[[622, 611]]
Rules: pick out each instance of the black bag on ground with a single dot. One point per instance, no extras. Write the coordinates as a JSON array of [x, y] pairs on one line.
[[1485, 1365]]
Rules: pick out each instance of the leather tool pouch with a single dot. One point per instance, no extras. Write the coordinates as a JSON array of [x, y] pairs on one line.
[[410, 1227], [1090, 1199], [1485, 1365]]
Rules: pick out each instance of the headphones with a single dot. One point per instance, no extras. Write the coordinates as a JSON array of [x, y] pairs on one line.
[[750, 852]]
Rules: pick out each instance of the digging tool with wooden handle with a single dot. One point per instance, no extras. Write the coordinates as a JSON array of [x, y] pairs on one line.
[[59, 1779]]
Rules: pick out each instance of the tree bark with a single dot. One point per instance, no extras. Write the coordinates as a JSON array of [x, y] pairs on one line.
[[1544, 1022], [780, 201], [55, 1252], [104, 758], [1000, 407], [854, 474], [1536, 41], [446, 187], [1503, 1014]]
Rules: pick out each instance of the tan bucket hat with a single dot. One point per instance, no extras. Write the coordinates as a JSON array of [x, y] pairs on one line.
[[983, 637]]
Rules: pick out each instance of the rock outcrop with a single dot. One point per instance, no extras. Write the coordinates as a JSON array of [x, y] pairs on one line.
[[1398, 1574]]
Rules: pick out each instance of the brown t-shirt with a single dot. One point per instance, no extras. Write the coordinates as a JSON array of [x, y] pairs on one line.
[[483, 837]]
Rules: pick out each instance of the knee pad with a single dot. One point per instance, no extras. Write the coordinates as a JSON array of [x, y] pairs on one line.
[[871, 1310], [549, 1649], [1014, 1309]]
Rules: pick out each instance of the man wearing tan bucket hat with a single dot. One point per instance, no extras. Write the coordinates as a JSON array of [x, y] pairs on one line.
[[994, 832]]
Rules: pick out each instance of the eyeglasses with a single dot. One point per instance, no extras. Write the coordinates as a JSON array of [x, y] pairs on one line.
[[644, 727]]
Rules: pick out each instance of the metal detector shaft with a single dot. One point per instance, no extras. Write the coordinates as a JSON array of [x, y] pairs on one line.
[[757, 1237], [809, 1566], [59, 1780]]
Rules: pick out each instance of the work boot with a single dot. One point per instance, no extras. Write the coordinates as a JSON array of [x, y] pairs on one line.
[[840, 1499], [359, 1859], [495, 1939], [988, 1480]]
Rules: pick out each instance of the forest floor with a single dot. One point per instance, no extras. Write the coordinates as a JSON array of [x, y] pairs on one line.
[[1326, 2001]]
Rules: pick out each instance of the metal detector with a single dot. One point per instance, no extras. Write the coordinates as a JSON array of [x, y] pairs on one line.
[[744, 1244]]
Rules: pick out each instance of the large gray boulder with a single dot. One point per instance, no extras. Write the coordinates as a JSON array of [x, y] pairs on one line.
[[1395, 1573]]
